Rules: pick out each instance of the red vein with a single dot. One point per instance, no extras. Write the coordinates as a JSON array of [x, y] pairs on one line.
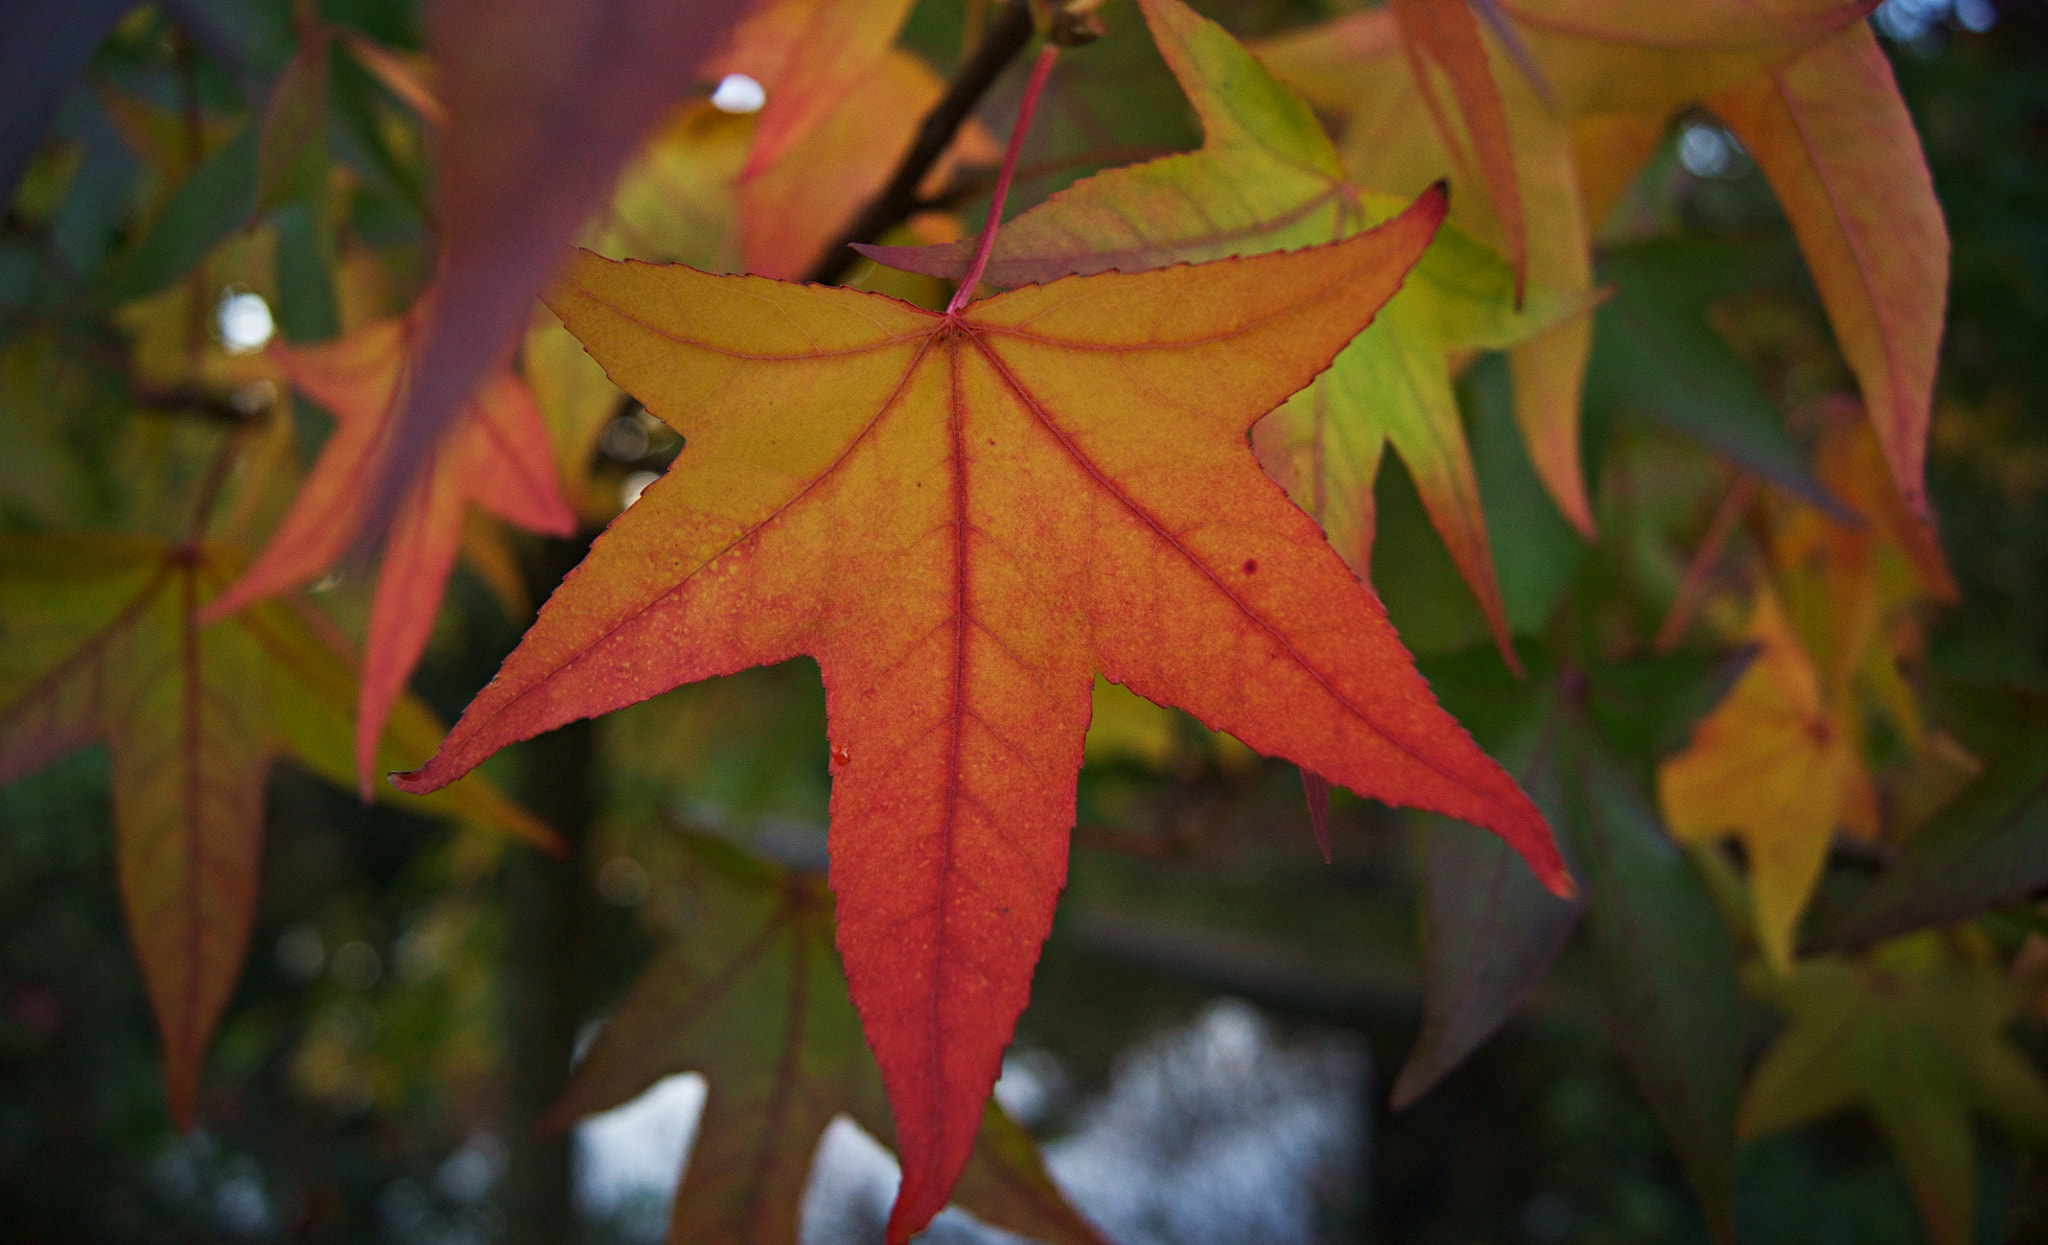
[[1838, 206], [1109, 486], [1082, 263], [751, 533], [955, 421], [89, 651], [882, 343]]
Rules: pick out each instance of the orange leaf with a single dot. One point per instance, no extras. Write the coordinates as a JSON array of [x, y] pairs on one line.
[[1851, 588], [101, 641], [793, 209], [1830, 131], [963, 517], [498, 456], [810, 56], [1446, 33], [1802, 82]]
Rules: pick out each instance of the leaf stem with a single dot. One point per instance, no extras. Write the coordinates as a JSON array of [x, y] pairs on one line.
[[1006, 37], [1041, 69]]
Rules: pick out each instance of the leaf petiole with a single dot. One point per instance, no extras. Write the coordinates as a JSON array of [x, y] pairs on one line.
[[1041, 69]]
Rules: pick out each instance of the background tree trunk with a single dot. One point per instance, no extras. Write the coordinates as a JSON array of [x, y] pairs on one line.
[[546, 960]]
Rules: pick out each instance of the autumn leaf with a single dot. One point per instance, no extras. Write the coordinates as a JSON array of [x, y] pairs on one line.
[[810, 56], [751, 997], [528, 150], [1854, 581], [1830, 131], [1779, 765], [1806, 89], [1266, 179], [100, 640], [498, 458], [963, 516], [1444, 32], [678, 201], [1915, 1038]]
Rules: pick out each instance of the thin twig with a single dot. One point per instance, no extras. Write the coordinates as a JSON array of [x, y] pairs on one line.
[[1006, 37], [186, 400]]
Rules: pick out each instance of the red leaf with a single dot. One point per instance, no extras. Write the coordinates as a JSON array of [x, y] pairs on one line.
[[963, 517], [545, 101], [498, 457]]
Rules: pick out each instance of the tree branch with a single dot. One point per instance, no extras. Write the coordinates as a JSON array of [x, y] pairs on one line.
[[1006, 37]]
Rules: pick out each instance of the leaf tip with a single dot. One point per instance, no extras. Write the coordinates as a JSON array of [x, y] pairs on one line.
[[905, 1222], [1409, 1087], [1560, 882], [421, 781], [181, 1090]]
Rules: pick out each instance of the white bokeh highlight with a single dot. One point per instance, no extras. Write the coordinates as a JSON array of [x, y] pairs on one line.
[[737, 93], [245, 322]]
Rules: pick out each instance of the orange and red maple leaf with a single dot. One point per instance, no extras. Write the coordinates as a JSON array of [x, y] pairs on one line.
[[100, 641], [497, 456], [963, 517]]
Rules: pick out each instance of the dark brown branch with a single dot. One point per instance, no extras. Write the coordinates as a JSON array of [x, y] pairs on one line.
[[550, 911], [1006, 37], [183, 400]]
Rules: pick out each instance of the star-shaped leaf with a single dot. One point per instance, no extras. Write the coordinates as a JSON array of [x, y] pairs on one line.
[[100, 639], [751, 998], [1916, 1039], [963, 516], [1805, 87], [498, 457], [1266, 178], [1778, 765]]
